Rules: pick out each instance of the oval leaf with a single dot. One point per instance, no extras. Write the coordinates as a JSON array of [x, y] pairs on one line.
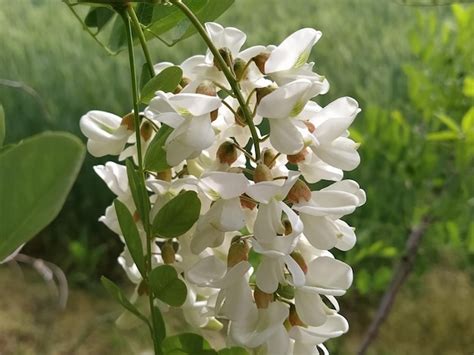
[[177, 216], [166, 285], [131, 235], [186, 343], [36, 175], [167, 80], [155, 157]]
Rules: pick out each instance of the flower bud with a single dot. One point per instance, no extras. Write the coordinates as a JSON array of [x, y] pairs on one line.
[[245, 202], [184, 82], [300, 261], [298, 157], [262, 173], [226, 55], [260, 61], [168, 252], [239, 118], [294, 319], [288, 227], [206, 88], [269, 158], [310, 126], [164, 175], [238, 251], [262, 92], [146, 130], [136, 216], [227, 153], [262, 299], [299, 192], [129, 121], [240, 68]]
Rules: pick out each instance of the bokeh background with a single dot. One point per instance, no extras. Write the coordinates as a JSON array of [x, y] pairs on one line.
[[412, 70]]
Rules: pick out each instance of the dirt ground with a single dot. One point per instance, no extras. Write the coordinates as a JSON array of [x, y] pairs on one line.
[[435, 317]]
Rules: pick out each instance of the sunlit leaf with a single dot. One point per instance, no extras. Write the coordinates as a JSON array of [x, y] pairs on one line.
[[167, 80], [155, 156], [166, 285]]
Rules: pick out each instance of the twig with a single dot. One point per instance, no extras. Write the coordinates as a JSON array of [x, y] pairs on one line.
[[401, 273]]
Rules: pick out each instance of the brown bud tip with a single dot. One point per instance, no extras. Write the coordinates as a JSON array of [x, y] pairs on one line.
[[310, 126], [262, 299], [262, 92], [299, 192], [226, 55], [214, 115], [164, 175], [136, 216], [288, 227], [240, 68], [227, 153], [262, 173], [129, 121], [143, 288], [245, 202], [146, 130], [298, 157], [184, 82], [294, 319], [206, 88], [300, 261], [168, 252], [260, 61], [269, 158], [239, 118], [238, 251]]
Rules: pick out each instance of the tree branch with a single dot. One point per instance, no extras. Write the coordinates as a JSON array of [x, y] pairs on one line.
[[400, 276]]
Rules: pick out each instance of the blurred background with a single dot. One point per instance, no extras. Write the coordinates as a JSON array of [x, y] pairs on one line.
[[412, 70]]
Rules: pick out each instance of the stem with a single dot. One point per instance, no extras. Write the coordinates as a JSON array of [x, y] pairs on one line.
[[146, 221], [141, 37], [225, 69]]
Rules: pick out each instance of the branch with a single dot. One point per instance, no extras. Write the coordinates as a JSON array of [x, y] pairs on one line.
[[400, 276]]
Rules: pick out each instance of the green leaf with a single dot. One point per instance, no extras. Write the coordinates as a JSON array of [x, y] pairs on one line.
[[159, 325], [98, 17], [233, 351], [2, 125], [131, 235], [166, 285], [187, 343], [144, 76], [155, 157], [442, 136], [36, 176], [468, 87], [467, 122], [116, 293], [138, 189], [167, 80], [449, 122], [177, 216]]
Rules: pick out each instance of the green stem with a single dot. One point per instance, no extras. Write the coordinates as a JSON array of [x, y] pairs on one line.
[[225, 69], [145, 218], [141, 37]]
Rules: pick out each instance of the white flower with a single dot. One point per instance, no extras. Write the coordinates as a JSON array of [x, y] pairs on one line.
[[105, 132], [189, 115]]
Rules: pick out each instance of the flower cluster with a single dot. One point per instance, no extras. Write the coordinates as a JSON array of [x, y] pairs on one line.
[[258, 256]]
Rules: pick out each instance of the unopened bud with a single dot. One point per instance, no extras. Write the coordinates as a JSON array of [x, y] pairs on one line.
[[294, 319], [227, 153], [226, 54], [260, 61], [262, 92], [310, 126], [143, 288], [239, 118], [262, 299], [298, 157], [184, 82], [146, 130], [214, 115], [288, 227], [299, 192], [262, 173], [300, 261], [168, 252], [136, 216], [164, 175], [269, 158], [245, 202], [238, 251], [129, 121], [240, 68], [206, 88]]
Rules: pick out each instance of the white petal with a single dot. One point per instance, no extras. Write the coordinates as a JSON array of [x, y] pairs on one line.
[[346, 239], [341, 153], [321, 232], [194, 104], [310, 307], [269, 274], [207, 271], [285, 137], [329, 273], [226, 185]]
